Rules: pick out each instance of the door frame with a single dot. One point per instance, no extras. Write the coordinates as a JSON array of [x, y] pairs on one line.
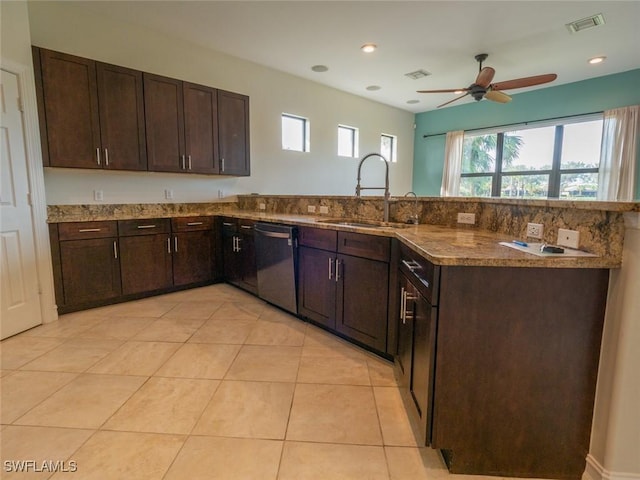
[[35, 172]]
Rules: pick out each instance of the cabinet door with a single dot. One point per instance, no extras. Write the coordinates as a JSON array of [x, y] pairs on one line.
[[146, 263], [164, 123], [230, 258], [233, 133], [193, 257], [358, 315], [201, 128], [121, 101], [317, 286], [70, 102], [90, 270], [247, 253], [404, 356]]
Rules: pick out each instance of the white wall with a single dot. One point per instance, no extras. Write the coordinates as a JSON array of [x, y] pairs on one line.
[[71, 28]]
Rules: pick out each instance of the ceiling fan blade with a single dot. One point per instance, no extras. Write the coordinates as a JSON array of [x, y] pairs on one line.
[[524, 82], [496, 96], [451, 101], [450, 90], [485, 76]]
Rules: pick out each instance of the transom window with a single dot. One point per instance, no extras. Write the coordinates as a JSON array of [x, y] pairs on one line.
[[295, 133], [347, 141], [558, 160], [388, 147]]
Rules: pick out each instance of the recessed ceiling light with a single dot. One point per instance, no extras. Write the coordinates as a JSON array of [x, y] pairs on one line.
[[368, 47], [413, 101], [373, 88], [596, 60], [319, 68]]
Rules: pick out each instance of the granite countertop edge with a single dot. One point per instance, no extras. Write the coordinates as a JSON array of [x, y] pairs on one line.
[[445, 246]]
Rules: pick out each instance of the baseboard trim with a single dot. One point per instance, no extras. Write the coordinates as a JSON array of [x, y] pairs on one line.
[[595, 471]]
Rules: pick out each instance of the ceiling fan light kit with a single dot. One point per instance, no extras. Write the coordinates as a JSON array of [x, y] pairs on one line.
[[483, 88]]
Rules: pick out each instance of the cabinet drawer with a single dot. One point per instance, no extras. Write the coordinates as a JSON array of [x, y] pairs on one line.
[[189, 224], [367, 246], [147, 226], [318, 238], [81, 230], [423, 274]]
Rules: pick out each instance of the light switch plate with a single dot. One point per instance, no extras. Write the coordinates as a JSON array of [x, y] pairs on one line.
[[468, 218], [311, 209], [324, 209], [98, 195]]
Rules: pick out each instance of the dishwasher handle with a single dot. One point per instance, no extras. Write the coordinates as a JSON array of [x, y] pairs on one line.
[[272, 234]]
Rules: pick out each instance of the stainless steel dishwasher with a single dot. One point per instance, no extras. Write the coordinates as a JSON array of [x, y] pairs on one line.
[[276, 259]]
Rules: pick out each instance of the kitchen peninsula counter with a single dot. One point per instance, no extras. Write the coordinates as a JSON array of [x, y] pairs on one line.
[[441, 245]]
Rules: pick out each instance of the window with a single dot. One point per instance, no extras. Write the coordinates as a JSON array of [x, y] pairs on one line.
[[347, 141], [557, 160], [295, 133], [388, 147]]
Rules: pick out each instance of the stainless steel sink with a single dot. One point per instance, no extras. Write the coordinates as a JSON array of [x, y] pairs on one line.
[[361, 223]]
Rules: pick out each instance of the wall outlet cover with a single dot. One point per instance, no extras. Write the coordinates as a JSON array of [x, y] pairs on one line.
[[568, 238], [311, 209], [168, 194], [98, 195], [535, 230], [262, 206], [324, 209], [467, 218]]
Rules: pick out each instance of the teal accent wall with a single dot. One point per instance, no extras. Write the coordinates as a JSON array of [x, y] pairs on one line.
[[593, 95]]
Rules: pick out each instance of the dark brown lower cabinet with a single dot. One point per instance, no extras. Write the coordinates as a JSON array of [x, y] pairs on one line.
[[193, 250], [345, 293], [516, 369], [86, 264], [239, 253], [146, 263]]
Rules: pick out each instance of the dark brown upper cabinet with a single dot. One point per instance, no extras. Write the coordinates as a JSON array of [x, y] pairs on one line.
[[182, 125], [233, 133], [92, 114]]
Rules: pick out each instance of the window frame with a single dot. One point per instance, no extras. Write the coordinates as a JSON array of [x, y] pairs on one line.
[[306, 143], [355, 138], [393, 158], [555, 172]]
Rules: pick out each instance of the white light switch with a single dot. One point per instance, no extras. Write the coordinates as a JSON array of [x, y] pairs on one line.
[[98, 195]]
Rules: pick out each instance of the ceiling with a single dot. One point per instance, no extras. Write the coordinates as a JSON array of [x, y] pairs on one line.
[[522, 39]]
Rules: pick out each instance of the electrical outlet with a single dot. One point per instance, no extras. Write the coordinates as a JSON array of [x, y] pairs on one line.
[[262, 206], [568, 238], [98, 195], [311, 209], [534, 230], [468, 218], [324, 209], [220, 193], [168, 194]]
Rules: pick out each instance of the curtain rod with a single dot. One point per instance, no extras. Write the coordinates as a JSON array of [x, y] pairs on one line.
[[519, 123]]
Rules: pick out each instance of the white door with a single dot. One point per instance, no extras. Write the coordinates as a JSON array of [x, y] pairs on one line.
[[19, 302]]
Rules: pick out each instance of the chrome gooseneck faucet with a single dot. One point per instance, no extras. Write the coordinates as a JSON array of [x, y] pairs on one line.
[[414, 217], [386, 183]]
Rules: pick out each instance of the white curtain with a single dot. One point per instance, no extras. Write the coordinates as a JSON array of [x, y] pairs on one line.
[[616, 179], [452, 164]]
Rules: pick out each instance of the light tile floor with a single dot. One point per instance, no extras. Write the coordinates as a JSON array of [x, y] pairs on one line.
[[209, 383]]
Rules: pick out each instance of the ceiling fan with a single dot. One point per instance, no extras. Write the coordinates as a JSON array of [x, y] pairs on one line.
[[483, 88]]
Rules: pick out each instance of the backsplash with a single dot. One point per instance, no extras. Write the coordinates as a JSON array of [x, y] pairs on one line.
[[601, 224]]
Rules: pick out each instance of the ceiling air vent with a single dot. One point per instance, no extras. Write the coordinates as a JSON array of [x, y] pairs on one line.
[[417, 74], [584, 23]]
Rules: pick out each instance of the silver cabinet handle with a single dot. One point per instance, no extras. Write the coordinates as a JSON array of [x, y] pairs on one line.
[[146, 226], [115, 250], [412, 265], [403, 304], [183, 162], [175, 244], [189, 159], [168, 245], [85, 230], [193, 224], [98, 155], [407, 298], [246, 227], [238, 240], [222, 164], [235, 243], [106, 157], [337, 270], [330, 268], [227, 224]]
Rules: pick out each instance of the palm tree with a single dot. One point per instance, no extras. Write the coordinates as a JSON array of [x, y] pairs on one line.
[[479, 152]]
